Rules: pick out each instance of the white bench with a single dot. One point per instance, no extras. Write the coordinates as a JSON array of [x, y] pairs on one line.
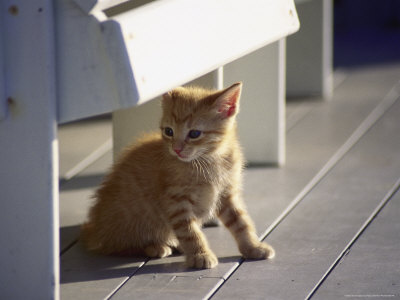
[[63, 60]]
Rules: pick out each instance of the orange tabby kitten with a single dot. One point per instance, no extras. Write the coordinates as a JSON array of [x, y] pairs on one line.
[[167, 185]]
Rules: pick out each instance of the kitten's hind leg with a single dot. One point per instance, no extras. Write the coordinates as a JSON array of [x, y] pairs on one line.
[[158, 251]]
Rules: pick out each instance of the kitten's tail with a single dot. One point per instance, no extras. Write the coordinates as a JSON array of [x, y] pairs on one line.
[[88, 237]]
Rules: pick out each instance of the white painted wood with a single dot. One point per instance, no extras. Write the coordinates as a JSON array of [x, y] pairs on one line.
[[3, 97], [139, 54], [231, 31], [262, 112], [28, 154], [86, 77], [310, 50], [89, 6], [111, 8]]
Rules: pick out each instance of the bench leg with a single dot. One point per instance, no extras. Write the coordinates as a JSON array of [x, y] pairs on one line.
[[309, 51], [29, 254], [262, 109]]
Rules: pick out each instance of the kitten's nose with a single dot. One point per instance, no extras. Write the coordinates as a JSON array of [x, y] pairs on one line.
[[177, 151], [178, 147]]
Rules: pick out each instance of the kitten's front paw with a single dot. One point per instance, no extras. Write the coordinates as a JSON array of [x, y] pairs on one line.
[[260, 251], [202, 260]]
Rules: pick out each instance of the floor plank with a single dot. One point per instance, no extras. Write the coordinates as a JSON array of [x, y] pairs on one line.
[[297, 109], [165, 286], [174, 266], [370, 269], [87, 276], [311, 237]]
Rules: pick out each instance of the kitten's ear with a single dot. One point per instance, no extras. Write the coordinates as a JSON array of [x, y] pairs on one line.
[[228, 102], [168, 97]]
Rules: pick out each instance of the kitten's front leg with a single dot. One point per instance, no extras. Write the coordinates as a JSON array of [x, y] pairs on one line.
[[191, 239], [239, 223]]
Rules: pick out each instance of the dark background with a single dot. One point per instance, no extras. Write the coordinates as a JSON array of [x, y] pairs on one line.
[[366, 32]]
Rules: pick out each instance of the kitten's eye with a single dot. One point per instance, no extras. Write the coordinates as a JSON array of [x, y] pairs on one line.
[[194, 134], [168, 131]]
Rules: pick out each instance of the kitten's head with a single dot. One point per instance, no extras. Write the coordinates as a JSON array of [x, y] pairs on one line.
[[196, 121]]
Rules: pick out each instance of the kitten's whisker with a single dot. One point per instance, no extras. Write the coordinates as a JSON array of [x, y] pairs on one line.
[[195, 164], [206, 163], [202, 168]]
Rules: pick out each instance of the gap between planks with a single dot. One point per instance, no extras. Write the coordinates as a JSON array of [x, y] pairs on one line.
[[126, 279], [388, 101], [374, 214]]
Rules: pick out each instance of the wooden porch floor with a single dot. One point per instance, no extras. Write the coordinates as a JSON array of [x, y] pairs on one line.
[[332, 212]]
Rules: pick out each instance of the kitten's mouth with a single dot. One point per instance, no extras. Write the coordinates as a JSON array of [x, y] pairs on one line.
[[183, 158]]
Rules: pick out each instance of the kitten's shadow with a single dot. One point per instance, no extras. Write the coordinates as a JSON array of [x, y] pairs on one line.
[[175, 265], [78, 265]]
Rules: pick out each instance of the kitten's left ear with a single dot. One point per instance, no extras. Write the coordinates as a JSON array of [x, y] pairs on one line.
[[228, 102], [166, 99], [169, 96]]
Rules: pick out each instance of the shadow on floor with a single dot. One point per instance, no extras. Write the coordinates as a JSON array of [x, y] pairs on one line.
[[79, 265], [81, 182]]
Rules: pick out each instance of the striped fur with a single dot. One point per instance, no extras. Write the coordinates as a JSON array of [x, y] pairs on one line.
[[156, 198]]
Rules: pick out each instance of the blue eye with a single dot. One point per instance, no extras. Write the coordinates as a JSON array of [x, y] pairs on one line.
[[168, 131], [194, 134]]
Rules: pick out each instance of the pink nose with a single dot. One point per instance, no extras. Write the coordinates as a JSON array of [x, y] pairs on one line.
[[178, 151]]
